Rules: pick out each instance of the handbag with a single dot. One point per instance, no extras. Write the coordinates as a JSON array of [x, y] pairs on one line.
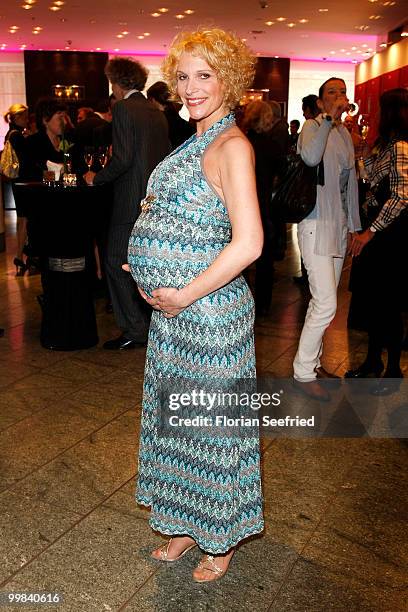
[[295, 196], [9, 163]]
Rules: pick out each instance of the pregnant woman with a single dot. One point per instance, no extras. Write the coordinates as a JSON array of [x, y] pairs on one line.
[[199, 228]]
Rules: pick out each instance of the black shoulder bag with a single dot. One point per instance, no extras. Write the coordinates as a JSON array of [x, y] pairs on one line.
[[295, 196]]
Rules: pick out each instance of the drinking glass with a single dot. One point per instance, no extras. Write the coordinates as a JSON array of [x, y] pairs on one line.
[[88, 157], [103, 157]]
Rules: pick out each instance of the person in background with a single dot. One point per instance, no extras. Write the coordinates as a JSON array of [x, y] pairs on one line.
[[380, 253], [257, 125], [84, 112], [327, 231], [179, 129], [294, 126], [45, 144], [310, 111], [103, 132], [140, 142], [17, 119], [310, 108], [279, 136]]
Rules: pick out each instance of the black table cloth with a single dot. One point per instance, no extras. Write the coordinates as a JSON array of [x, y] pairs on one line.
[[63, 223]]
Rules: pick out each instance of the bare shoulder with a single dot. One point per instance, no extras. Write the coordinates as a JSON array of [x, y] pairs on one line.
[[232, 143]]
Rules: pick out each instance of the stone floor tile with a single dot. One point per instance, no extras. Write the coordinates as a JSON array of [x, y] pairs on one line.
[[90, 471], [27, 527], [96, 566]]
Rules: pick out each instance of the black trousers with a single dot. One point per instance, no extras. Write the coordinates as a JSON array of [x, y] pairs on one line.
[[131, 313], [379, 282]]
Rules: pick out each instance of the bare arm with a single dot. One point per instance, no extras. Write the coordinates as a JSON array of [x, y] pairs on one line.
[[234, 160]]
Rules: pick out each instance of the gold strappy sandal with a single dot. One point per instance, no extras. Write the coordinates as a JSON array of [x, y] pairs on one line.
[[208, 563], [164, 552]]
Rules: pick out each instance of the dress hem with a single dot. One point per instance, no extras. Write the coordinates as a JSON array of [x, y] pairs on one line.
[[205, 548]]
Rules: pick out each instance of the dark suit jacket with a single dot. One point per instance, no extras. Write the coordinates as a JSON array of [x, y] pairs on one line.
[[84, 131], [140, 142]]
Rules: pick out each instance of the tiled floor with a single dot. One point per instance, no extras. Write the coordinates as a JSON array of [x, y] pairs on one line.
[[336, 530]]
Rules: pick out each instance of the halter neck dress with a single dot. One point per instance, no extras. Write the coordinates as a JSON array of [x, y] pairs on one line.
[[208, 488]]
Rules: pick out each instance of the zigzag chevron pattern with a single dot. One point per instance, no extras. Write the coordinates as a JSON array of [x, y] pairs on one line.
[[207, 487]]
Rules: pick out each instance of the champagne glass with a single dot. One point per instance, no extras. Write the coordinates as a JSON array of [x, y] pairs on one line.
[[88, 157], [103, 156]]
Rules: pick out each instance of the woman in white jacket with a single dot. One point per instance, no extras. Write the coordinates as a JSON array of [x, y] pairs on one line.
[[326, 233]]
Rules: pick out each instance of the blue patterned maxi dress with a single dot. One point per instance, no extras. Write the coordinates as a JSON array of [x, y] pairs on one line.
[[207, 488]]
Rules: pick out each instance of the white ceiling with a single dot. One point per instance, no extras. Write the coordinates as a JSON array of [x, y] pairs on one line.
[[95, 24]]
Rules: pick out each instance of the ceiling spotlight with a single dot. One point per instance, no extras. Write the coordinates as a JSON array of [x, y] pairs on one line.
[[342, 50], [354, 61], [244, 39], [141, 37], [163, 10], [375, 17], [189, 12], [383, 45], [332, 53], [27, 6], [303, 20], [54, 8], [323, 10], [155, 14], [353, 48], [97, 49], [276, 56], [269, 23], [125, 32], [179, 16], [119, 36], [146, 33], [291, 25], [117, 49], [23, 46], [281, 19], [362, 28], [59, 3]]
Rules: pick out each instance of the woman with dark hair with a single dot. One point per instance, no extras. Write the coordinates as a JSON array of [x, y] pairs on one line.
[[17, 119], [326, 232], [44, 145], [381, 251], [179, 129]]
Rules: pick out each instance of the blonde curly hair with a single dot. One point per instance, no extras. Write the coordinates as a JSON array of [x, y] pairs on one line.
[[225, 53]]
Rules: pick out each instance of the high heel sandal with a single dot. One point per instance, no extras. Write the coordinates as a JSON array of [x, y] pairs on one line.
[[164, 552], [208, 564], [21, 267]]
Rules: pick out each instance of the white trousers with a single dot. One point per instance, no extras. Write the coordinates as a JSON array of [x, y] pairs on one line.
[[324, 275]]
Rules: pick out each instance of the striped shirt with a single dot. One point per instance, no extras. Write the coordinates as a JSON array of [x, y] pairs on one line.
[[391, 161]]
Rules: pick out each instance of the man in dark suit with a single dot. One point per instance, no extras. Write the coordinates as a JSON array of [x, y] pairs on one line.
[[140, 142]]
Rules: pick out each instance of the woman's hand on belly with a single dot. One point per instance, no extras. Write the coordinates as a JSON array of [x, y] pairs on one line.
[[166, 299]]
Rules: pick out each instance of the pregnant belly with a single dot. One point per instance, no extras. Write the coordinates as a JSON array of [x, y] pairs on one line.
[[158, 255]]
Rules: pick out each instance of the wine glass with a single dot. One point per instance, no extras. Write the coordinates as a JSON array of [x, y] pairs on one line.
[[103, 156], [88, 157]]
